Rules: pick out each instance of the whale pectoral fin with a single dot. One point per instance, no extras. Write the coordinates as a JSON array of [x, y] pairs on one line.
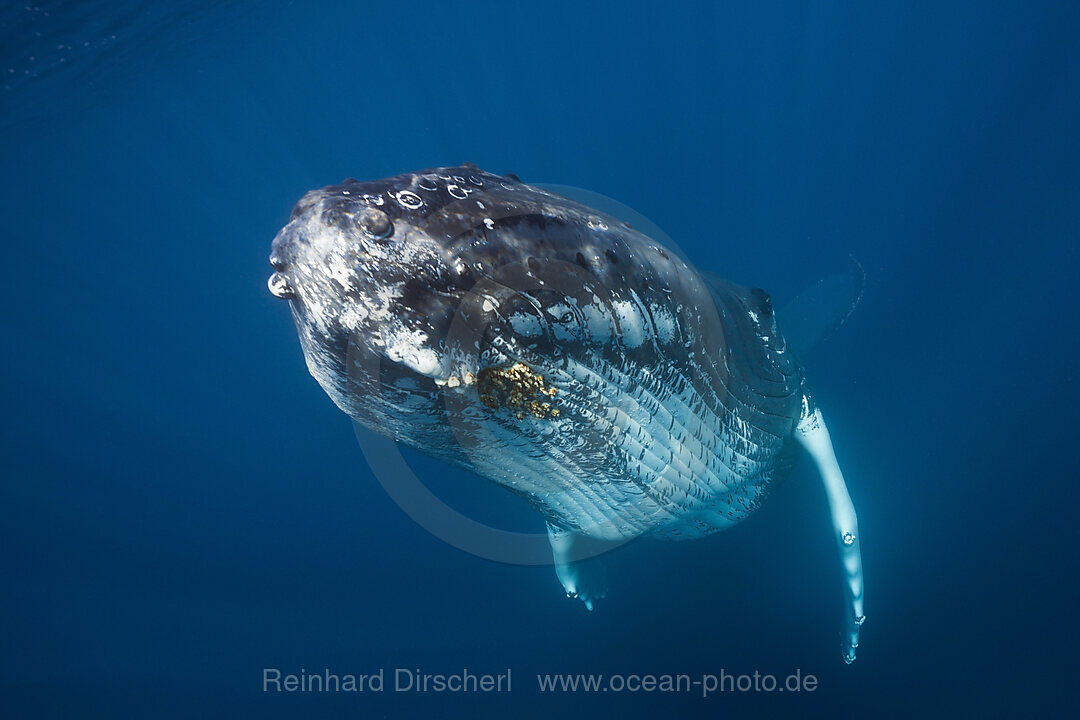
[[813, 435], [822, 308], [582, 576]]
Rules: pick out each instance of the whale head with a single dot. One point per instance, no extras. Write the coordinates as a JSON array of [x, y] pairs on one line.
[[367, 283], [406, 286]]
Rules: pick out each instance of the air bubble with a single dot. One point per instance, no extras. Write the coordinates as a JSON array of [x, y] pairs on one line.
[[279, 287]]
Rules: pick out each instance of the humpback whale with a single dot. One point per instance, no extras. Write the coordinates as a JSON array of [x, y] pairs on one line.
[[559, 352]]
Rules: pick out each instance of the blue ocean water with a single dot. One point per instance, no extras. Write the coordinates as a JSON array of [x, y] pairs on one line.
[[181, 506]]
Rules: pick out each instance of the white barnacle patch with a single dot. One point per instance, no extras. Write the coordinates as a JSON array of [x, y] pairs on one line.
[[489, 223], [410, 348]]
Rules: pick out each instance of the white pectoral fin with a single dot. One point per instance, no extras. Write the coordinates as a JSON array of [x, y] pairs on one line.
[[584, 579], [813, 435]]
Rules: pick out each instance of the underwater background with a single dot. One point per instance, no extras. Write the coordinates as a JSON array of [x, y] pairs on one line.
[[181, 506]]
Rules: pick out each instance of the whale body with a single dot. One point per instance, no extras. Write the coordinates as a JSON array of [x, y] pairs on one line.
[[558, 352]]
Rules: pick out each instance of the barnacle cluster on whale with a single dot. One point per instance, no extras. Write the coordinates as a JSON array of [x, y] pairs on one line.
[[516, 388], [450, 309]]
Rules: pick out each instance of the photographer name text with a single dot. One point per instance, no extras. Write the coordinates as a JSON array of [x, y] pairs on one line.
[[385, 679]]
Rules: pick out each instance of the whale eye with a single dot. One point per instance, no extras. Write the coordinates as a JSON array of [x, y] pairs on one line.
[[374, 222], [560, 313]]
